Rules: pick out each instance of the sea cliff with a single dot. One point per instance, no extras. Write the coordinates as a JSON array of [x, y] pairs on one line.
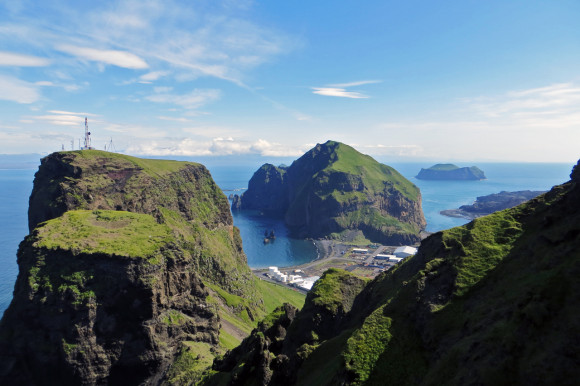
[[130, 267], [334, 190]]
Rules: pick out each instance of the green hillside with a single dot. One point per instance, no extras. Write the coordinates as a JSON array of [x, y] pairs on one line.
[[494, 302]]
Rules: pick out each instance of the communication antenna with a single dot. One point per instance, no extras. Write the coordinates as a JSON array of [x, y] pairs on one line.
[[62, 147], [110, 146], [87, 136]]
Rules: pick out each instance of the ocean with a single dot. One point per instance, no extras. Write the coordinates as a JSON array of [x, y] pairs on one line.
[[16, 185]]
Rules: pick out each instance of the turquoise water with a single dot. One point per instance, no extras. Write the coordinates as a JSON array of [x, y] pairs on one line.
[[16, 185]]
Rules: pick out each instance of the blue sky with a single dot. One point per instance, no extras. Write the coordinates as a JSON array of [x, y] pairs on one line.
[[402, 80]]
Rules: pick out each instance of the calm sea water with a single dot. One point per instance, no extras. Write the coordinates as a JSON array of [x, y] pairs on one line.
[[16, 185]]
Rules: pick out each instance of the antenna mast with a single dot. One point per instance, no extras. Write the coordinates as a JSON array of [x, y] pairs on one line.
[[87, 136]]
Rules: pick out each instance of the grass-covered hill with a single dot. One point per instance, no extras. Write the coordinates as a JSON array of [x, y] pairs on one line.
[[494, 302], [133, 273], [333, 190], [451, 172]]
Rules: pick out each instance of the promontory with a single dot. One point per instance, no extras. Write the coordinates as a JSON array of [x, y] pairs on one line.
[[451, 172], [333, 191], [133, 273]]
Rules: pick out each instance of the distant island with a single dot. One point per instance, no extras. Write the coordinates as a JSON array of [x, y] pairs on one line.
[[451, 172], [485, 205], [333, 191]]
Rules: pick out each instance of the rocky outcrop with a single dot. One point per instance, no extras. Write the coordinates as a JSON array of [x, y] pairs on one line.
[[491, 302], [115, 276], [485, 205], [451, 172], [332, 189]]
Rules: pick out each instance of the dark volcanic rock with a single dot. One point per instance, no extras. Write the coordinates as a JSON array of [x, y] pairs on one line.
[[111, 278], [485, 205], [333, 189]]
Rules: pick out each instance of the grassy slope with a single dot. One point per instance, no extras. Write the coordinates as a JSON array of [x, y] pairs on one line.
[[358, 167], [152, 167], [103, 231], [373, 173], [443, 167], [491, 302]]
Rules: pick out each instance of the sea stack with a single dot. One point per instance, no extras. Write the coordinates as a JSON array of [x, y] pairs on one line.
[[332, 191]]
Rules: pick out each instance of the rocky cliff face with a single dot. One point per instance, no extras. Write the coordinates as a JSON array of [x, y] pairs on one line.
[[492, 302], [332, 189], [113, 279], [451, 172]]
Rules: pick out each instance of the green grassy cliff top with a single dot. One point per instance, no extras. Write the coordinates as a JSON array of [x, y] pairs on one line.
[[104, 231], [346, 159], [444, 167], [152, 167]]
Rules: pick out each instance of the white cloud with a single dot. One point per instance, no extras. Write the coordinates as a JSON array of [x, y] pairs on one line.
[[353, 84], [192, 100], [19, 60], [16, 90], [153, 76], [117, 58], [338, 92], [173, 119], [215, 147], [339, 89]]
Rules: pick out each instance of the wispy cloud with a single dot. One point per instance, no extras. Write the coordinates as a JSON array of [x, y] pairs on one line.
[[339, 89], [113, 57], [20, 60], [63, 118], [548, 106], [192, 100], [338, 92], [16, 90], [354, 84]]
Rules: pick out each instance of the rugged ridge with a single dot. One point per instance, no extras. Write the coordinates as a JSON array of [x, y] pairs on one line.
[[332, 190], [122, 272], [451, 172], [493, 302], [485, 205]]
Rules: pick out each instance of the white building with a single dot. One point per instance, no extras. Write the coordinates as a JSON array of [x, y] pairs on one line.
[[383, 257], [405, 251], [395, 260], [360, 250]]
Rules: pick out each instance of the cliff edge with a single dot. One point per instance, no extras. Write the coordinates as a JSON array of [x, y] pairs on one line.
[[127, 267]]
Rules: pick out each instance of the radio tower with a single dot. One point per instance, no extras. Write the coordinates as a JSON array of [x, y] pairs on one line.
[[87, 136]]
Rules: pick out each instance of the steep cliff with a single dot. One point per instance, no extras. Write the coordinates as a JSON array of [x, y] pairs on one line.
[[451, 172], [494, 302], [130, 263], [334, 189]]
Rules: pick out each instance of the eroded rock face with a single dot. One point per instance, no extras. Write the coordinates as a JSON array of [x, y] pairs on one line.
[[71, 180], [93, 319], [332, 189], [91, 304]]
